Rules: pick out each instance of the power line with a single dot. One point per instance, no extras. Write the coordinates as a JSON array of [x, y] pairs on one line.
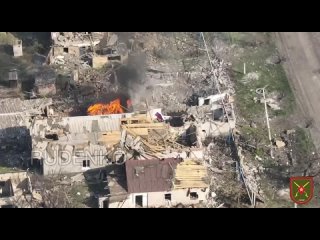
[[252, 198]]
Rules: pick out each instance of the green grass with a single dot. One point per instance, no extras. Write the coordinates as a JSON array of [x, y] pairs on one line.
[[7, 38], [254, 49], [257, 48], [304, 141], [7, 170], [259, 134]]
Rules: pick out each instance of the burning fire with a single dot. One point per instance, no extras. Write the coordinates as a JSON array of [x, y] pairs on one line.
[[113, 107]]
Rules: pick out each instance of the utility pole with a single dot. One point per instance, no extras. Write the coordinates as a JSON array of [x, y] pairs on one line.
[[263, 92]]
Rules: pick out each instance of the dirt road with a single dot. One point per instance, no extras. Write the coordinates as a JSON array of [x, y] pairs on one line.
[[302, 53]]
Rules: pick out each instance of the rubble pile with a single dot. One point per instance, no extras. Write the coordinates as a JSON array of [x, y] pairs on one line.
[[69, 62], [77, 38], [193, 99]]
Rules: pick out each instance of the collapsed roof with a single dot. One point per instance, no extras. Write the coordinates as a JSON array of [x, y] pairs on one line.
[[77, 39], [15, 112]]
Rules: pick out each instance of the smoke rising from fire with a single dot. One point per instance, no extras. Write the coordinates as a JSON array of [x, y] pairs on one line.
[[131, 77]]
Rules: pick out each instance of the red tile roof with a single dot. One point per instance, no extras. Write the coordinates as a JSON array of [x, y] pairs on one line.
[[153, 175]]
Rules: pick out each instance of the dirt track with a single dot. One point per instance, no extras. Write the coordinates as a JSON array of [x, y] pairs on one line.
[[302, 53]]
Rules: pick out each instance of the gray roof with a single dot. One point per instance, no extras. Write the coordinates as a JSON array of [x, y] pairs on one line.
[[15, 112], [79, 125], [16, 106], [92, 124]]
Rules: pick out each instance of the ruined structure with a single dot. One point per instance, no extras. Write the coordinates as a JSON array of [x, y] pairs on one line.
[[15, 115], [75, 144], [45, 82], [15, 121], [85, 49], [15, 190], [159, 156], [158, 183]]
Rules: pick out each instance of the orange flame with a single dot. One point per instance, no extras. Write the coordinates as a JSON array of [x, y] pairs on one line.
[[113, 107]]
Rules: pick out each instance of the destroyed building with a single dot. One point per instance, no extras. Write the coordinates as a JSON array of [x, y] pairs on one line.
[[15, 120], [157, 183], [75, 144], [15, 115], [71, 46], [81, 50], [162, 154], [45, 83], [15, 190], [72, 145]]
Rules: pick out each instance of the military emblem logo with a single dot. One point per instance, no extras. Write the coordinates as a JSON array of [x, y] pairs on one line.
[[301, 189]]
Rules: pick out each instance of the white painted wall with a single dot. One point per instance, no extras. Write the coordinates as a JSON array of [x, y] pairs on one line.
[[212, 99], [157, 199]]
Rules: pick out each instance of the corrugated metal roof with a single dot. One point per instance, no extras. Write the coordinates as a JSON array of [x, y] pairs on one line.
[[79, 125], [83, 125], [12, 125], [16, 105], [14, 113], [94, 123]]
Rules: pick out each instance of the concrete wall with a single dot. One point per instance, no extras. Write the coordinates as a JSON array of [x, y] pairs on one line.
[[17, 49], [99, 61], [62, 158], [59, 166], [211, 99], [71, 50], [157, 199], [67, 162], [16, 180], [15, 177]]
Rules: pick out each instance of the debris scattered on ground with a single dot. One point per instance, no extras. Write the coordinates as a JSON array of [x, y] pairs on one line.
[[275, 59], [280, 144], [252, 76], [165, 75]]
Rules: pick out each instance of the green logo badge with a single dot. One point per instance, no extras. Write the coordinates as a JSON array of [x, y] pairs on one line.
[[301, 189]]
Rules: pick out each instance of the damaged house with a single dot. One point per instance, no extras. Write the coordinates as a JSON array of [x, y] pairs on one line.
[[76, 144], [157, 183], [45, 82], [73, 144], [15, 120], [15, 115], [15, 190], [155, 172], [86, 49], [72, 47]]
